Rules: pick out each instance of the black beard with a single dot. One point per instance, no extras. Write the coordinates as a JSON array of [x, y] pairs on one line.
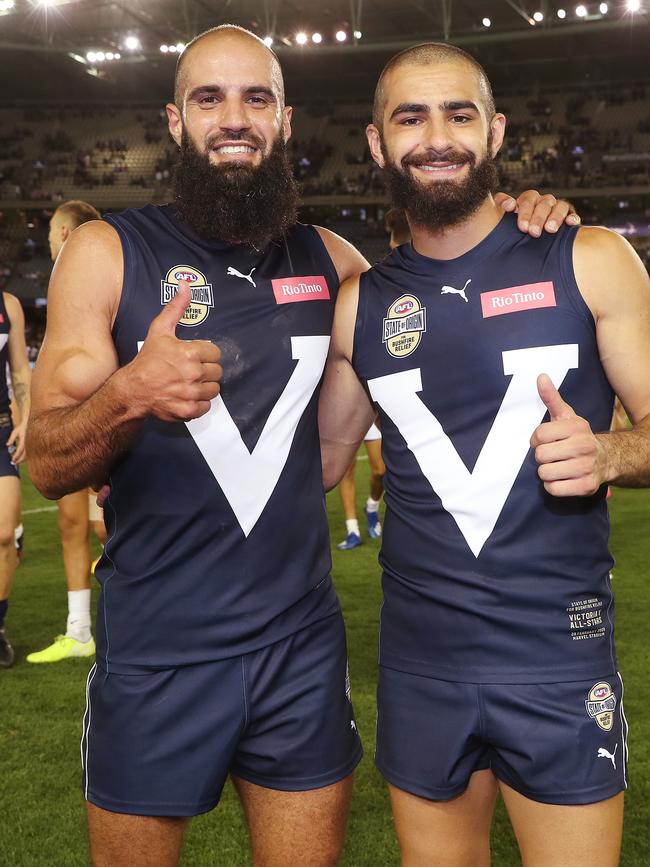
[[235, 203], [441, 204]]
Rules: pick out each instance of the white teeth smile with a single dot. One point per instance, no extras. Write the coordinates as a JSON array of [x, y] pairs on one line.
[[235, 149], [434, 168]]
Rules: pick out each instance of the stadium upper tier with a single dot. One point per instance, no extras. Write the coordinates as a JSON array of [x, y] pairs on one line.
[[116, 157]]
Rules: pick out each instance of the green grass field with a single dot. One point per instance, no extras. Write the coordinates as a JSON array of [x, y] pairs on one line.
[[41, 812]]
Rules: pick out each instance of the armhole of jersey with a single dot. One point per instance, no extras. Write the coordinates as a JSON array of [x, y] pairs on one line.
[[360, 320], [569, 279], [333, 277], [129, 274]]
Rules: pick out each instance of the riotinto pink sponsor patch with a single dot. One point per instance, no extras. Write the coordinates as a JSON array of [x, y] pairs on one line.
[[290, 289], [517, 298]]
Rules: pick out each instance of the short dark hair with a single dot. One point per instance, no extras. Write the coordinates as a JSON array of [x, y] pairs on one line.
[[78, 212], [242, 31], [421, 55]]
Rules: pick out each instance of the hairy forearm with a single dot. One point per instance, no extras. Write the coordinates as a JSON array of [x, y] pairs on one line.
[[73, 447], [627, 455]]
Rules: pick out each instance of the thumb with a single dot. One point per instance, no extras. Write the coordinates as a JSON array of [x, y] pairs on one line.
[[172, 313], [557, 407]]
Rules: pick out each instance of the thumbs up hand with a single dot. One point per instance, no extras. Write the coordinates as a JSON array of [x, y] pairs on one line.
[[173, 379], [571, 458]]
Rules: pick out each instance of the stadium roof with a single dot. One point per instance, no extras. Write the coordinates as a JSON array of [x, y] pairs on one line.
[[40, 39]]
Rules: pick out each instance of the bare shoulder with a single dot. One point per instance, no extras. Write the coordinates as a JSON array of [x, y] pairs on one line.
[[95, 238], [347, 260], [89, 270], [608, 271]]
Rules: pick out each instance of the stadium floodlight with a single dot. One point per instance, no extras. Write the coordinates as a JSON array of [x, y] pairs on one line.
[[357, 34], [301, 38], [268, 41], [486, 22], [633, 5], [110, 55], [180, 47], [341, 35], [171, 49], [100, 57], [316, 38], [164, 49], [538, 17], [91, 57], [6, 5], [132, 43], [603, 8], [117, 55], [581, 11], [561, 13]]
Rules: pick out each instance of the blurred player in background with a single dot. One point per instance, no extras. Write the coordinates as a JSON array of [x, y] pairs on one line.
[[348, 492], [13, 357]]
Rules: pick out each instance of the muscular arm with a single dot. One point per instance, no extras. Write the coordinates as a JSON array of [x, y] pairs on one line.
[[573, 459], [85, 409], [80, 416], [344, 410], [617, 289], [20, 374]]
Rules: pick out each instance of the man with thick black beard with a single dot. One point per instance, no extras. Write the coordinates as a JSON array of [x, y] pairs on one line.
[[497, 663], [220, 644]]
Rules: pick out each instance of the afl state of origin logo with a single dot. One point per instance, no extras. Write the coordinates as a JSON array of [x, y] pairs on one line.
[[600, 704], [202, 298], [403, 326]]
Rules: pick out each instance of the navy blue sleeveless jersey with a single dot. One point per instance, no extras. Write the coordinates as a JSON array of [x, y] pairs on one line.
[[218, 540], [5, 326], [487, 578]]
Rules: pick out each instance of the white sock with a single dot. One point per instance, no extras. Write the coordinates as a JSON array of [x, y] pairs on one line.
[[18, 532], [352, 526], [372, 505], [78, 625]]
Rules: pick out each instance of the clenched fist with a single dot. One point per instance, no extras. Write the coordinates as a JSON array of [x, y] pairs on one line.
[[173, 379], [571, 459]]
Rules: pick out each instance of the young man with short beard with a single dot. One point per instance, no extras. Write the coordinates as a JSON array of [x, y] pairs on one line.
[[220, 643], [497, 662]]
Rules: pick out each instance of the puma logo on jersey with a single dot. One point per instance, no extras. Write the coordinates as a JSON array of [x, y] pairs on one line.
[[449, 290], [233, 272], [605, 754]]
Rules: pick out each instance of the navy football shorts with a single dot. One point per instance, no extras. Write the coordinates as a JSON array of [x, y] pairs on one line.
[[6, 467], [163, 743], [558, 743]]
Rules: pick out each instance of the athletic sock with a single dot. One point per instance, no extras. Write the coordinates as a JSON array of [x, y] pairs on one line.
[[372, 505], [78, 625], [4, 604], [18, 532], [352, 526]]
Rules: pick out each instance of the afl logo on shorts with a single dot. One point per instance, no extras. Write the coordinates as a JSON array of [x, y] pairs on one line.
[[403, 326], [202, 297], [600, 704]]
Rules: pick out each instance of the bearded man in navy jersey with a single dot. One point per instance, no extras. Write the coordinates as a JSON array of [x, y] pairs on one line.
[[492, 360], [187, 375]]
